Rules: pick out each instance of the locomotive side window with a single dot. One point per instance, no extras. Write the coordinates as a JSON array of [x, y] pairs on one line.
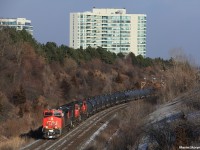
[[47, 114]]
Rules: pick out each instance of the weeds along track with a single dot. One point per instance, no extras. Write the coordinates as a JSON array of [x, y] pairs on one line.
[[76, 137], [175, 108]]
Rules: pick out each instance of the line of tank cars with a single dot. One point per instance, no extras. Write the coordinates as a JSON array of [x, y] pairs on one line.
[[68, 115]]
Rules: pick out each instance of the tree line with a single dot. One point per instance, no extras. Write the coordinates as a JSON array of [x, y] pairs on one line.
[[54, 53]]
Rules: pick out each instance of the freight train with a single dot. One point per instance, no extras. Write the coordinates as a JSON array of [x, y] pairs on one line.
[[68, 115]]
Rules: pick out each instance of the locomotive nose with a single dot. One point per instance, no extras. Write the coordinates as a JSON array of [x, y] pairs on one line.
[[51, 124]]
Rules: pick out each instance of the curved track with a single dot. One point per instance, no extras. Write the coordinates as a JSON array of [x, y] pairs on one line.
[[76, 138]]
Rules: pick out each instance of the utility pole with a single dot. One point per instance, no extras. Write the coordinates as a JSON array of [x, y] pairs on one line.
[[120, 23]]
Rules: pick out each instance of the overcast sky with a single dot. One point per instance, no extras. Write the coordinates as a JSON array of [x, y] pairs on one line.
[[171, 24]]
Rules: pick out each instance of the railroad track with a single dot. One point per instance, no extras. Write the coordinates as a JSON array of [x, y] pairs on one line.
[[76, 138]]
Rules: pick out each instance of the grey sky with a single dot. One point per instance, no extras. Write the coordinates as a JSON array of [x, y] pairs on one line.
[[171, 24]]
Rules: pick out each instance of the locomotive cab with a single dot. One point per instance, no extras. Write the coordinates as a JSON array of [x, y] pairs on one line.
[[83, 108]]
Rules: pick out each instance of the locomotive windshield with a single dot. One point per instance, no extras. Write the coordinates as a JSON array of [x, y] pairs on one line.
[[47, 114], [57, 114]]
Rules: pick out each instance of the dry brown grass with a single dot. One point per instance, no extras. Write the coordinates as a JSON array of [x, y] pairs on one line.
[[104, 137], [130, 127], [169, 136], [180, 78], [17, 126], [13, 143], [125, 130]]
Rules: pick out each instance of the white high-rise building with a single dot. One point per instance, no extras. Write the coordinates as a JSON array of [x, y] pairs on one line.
[[111, 29], [17, 23]]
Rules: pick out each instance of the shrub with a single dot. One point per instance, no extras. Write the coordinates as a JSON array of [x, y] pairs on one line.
[[12, 144], [19, 97]]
